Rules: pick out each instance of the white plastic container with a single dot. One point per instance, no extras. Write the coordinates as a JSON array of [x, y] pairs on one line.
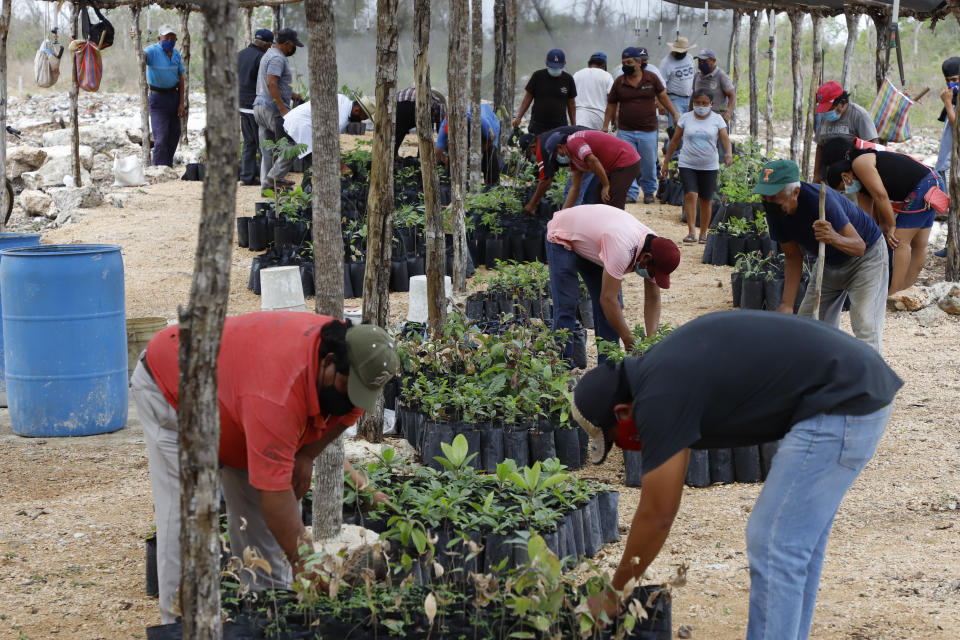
[[281, 289], [417, 301]]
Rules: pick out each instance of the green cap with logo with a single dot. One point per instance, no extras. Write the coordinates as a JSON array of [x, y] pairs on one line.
[[775, 175], [373, 362]]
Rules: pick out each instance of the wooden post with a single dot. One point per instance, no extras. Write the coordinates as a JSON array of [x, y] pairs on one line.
[[852, 19], [881, 21], [4, 32], [433, 228], [476, 69], [504, 66], [796, 128], [327, 241], [821, 254], [376, 280], [74, 100], [735, 54], [201, 327], [754, 92], [248, 23], [805, 169], [953, 215], [771, 75], [142, 81], [277, 17], [458, 49], [184, 36]]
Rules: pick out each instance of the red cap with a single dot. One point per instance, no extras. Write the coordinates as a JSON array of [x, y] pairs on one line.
[[666, 257], [826, 94]]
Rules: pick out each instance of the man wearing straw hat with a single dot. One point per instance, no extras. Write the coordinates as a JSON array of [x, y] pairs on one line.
[[678, 69]]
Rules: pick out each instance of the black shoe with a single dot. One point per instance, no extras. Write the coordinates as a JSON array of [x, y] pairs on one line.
[[647, 198], [249, 183], [631, 200], [941, 254]]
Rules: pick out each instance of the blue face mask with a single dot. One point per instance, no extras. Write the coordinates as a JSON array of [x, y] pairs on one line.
[[853, 187], [831, 116], [563, 160], [643, 273], [168, 45], [554, 72], [954, 86]]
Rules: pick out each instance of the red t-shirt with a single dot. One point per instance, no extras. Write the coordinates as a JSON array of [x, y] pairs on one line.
[[611, 151], [266, 386]]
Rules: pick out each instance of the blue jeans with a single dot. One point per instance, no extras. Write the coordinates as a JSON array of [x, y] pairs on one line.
[[165, 125], [588, 187], [681, 104], [564, 267], [814, 467], [645, 142]]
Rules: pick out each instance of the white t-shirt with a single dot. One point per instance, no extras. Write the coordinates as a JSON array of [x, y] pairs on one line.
[[593, 85], [299, 126], [699, 149], [344, 106], [679, 74]]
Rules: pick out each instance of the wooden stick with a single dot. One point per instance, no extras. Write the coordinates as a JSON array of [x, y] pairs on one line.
[[921, 94], [821, 256]]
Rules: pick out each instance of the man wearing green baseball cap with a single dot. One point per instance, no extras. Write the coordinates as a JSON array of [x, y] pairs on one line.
[[855, 264], [288, 384]]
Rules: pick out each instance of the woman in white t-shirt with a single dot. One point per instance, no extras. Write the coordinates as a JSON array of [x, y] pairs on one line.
[[699, 129]]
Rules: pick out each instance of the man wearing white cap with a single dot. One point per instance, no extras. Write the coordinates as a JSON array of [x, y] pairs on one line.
[[165, 79]]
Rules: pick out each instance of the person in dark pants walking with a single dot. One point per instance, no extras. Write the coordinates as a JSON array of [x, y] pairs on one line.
[[248, 65], [165, 79], [828, 397]]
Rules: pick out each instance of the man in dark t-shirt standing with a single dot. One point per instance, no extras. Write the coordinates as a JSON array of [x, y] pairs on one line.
[[248, 65], [855, 258], [828, 397], [552, 92]]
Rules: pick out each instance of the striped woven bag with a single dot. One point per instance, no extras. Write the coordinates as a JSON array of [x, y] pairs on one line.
[[889, 113], [89, 66]]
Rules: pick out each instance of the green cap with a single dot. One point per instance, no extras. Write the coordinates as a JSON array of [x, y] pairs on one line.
[[373, 362], [775, 175]]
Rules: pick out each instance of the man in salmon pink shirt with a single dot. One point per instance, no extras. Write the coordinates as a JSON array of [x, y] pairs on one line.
[[614, 162], [288, 384]]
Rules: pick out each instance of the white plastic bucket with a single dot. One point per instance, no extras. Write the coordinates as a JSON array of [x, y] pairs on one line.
[[417, 301], [281, 289]]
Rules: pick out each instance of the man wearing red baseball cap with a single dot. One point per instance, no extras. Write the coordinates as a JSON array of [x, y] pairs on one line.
[[841, 119], [602, 244]]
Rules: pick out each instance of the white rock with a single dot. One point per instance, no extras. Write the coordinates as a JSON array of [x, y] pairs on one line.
[[32, 180], [950, 304], [161, 173], [60, 163], [35, 203], [940, 290], [68, 217], [102, 137], [930, 316], [363, 452], [70, 198], [23, 158], [116, 199]]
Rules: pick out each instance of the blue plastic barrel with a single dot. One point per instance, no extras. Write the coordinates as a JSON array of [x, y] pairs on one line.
[[11, 241], [66, 343]]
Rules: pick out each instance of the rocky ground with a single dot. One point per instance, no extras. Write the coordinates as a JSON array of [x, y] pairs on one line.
[[74, 512]]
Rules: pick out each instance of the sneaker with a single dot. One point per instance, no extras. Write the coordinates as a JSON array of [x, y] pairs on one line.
[[941, 254], [631, 200], [647, 198]]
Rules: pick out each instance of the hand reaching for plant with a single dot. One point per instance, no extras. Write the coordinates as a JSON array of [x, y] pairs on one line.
[[603, 603], [302, 474]]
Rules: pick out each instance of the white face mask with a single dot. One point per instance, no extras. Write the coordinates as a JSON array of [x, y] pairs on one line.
[[554, 72], [702, 111]]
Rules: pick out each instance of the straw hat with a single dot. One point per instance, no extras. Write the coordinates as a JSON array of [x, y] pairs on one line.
[[681, 45], [368, 106]]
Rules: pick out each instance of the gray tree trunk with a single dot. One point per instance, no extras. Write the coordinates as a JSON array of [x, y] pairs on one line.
[[852, 19], [327, 241], [248, 23], [476, 71], [504, 66], [201, 327], [142, 82], [458, 49], [953, 216], [735, 54], [184, 41], [806, 165], [754, 91], [881, 21], [433, 231], [74, 99], [4, 33], [376, 281], [771, 75], [796, 125]]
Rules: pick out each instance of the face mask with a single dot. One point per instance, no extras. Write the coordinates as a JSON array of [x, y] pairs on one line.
[[293, 50], [334, 402], [643, 65], [554, 72], [704, 68], [702, 111], [953, 85], [628, 69], [853, 187], [642, 271], [679, 56], [772, 208], [563, 160], [831, 116], [627, 437], [168, 45]]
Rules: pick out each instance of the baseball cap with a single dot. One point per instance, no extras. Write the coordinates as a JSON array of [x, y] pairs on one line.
[[666, 257], [165, 29], [373, 362], [777, 174], [634, 52], [826, 94], [598, 55], [950, 67], [594, 397], [556, 59], [525, 141], [288, 35], [707, 54], [264, 35]]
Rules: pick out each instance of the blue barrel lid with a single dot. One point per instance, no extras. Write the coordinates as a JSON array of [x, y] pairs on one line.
[[61, 249]]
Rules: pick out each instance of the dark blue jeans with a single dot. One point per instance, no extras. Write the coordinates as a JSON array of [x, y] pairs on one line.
[[165, 124], [249, 167], [564, 266]]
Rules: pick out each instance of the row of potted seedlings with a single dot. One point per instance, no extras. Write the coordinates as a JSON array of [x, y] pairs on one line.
[[737, 235], [522, 290], [758, 280]]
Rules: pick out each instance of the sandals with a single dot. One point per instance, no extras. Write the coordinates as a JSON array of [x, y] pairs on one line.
[[703, 240], [690, 238]]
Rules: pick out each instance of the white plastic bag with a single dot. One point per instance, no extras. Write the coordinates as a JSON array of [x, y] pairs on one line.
[[128, 172], [46, 65]]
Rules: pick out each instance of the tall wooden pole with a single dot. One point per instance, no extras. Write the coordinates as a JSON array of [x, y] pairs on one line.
[[201, 327], [4, 32], [735, 54], [754, 92], [796, 128], [806, 167], [142, 82], [476, 69], [771, 76], [248, 23], [376, 280], [458, 49], [327, 240], [852, 20], [881, 21], [184, 36], [433, 214], [74, 100], [504, 65], [953, 216]]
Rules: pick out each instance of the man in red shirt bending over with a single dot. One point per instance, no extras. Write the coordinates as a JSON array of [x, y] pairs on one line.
[[614, 161], [288, 384]]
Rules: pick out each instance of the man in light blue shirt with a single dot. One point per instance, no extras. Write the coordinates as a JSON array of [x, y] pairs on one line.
[[165, 79], [489, 140]]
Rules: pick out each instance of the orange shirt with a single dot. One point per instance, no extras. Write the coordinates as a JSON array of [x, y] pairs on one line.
[[266, 387]]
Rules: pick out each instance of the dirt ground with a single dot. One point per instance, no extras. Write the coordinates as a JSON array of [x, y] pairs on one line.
[[74, 512]]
